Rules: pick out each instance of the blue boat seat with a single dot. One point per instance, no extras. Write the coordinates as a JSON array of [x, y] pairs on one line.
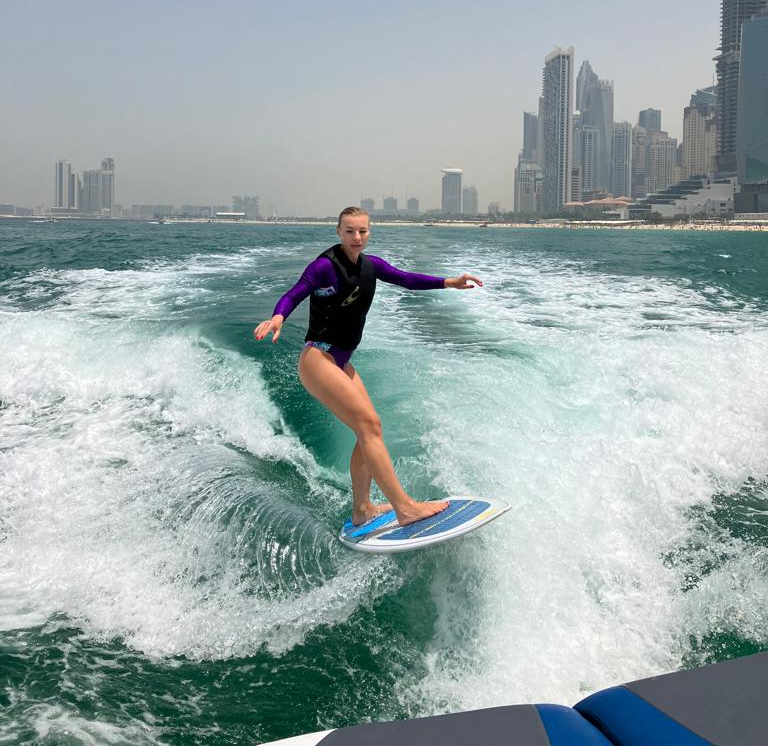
[[515, 725], [725, 704]]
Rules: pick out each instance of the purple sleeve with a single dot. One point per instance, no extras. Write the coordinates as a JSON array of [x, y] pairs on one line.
[[317, 274], [410, 280]]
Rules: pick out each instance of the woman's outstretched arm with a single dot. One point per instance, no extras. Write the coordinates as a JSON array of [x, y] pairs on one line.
[[415, 281]]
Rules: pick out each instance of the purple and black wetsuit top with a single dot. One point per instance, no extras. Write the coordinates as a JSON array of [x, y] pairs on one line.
[[340, 295]]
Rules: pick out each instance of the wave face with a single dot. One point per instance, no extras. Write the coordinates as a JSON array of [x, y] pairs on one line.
[[170, 495]]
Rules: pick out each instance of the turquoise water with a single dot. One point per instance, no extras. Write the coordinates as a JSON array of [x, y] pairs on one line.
[[169, 494]]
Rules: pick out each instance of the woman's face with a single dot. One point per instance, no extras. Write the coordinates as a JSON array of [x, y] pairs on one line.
[[354, 232]]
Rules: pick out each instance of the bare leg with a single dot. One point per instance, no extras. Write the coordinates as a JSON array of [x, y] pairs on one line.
[[337, 390], [362, 507]]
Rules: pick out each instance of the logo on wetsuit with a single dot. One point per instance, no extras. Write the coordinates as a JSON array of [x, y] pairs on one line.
[[352, 297]]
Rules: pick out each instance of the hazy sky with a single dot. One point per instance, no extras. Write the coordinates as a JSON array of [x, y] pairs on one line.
[[312, 104]]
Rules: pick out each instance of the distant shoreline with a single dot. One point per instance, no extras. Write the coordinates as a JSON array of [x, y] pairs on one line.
[[749, 225]]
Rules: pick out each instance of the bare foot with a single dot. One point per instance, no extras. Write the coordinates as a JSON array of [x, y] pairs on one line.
[[418, 511], [361, 515]]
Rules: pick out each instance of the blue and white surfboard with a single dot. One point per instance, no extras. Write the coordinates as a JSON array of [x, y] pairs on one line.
[[384, 534]]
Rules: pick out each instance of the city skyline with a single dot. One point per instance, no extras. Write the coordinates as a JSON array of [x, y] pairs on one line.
[[311, 117]]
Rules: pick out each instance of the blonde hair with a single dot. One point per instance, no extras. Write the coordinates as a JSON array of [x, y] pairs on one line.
[[352, 212]]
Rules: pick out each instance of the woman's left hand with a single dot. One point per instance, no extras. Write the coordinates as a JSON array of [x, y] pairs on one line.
[[463, 282]]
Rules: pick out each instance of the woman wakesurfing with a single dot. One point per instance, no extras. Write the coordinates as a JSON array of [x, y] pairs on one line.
[[341, 283]]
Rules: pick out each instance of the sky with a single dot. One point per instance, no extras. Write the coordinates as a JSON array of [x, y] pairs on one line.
[[312, 105]]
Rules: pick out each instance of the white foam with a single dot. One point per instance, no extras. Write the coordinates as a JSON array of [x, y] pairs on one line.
[[602, 408], [125, 503]]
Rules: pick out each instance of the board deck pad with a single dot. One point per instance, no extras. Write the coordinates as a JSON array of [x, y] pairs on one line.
[[384, 534]]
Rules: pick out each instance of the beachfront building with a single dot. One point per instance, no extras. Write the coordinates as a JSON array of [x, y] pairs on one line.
[[91, 199], [66, 194], [368, 204], [469, 201], [389, 206], [556, 145], [661, 157], [594, 101], [752, 119], [107, 185], [62, 172], [248, 204], [412, 207], [621, 160], [700, 134], [451, 191], [528, 181], [586, 155], [640, 140], [528, 174], [530, 136], [733, 13]]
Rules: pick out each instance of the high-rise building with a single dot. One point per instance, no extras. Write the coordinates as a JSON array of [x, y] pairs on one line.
[[700, 134], [390, 206], [469, 201], [577, 193], [650, 119], [451, 189], [107, 185], [412, 207], [752, 119], [594, 100], [621, 160], [661, 159], [368, 205], [640, 142], [586, 155], [557, 128], [63, 198], [586, 78], [92, 193], [528, 181], [530, 136], [249, 204], [733, 13]]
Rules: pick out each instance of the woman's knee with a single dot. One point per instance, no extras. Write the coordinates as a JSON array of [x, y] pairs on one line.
[[368, 425]]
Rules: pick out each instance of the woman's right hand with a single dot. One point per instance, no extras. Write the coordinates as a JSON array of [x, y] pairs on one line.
[[270, 325]]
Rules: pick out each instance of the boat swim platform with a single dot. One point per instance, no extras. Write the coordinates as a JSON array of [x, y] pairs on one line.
[[723, 704]]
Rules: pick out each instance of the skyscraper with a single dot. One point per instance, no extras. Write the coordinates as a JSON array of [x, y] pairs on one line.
[[733, 13], [451, 188], [650, 119], [640, 142], [62, 195], [389, 206], [249, 204], [469, 201], [586, 156], [556, 128], [412, 207], [752, 119], [528, 181], [107, 184], [368, 205], [594, 100], [660, 160], [92, 193], [530, 136], [621, 160], [700, 134]]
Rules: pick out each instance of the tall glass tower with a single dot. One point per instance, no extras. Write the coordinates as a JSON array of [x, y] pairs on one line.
[[451, 184], [556, 144], [733, 13], [752, 110]]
